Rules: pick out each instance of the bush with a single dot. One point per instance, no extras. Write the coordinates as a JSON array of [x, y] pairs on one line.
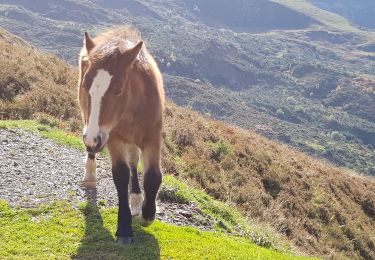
[[46, 119], [220, 149]]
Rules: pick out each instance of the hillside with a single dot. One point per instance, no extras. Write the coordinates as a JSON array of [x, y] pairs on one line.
[[288, 70], [321, 209], [359, 12], [45, 206]]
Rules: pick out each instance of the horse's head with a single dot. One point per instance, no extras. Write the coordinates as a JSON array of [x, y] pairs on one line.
[[103, 78]]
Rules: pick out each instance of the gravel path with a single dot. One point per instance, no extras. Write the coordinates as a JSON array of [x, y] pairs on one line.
[[34, 170]]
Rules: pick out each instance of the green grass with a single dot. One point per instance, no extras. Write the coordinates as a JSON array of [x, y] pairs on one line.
[[46, 131], [228, 219], [57, 231]]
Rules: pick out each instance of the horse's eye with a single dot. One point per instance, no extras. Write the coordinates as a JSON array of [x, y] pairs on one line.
[[84, 86], [85, 81]]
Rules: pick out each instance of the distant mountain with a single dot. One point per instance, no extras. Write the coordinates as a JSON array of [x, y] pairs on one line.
[[360, 12], [286, 69]]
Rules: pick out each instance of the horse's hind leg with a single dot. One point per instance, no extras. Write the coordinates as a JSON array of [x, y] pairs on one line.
[[90, 176], [151, 181], [136, 198], [121, 176]]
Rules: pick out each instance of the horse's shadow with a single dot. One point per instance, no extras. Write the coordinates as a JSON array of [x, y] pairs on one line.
[[99, 243]]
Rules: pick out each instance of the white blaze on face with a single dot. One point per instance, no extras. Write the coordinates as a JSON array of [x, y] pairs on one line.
[[97, 91]]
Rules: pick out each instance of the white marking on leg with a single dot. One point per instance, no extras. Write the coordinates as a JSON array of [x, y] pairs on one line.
[[132, 155], [136, 200], [97, 91], [90, 174]]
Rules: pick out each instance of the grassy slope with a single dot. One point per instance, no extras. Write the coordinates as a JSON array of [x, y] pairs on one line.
[[229, 220], [328, 18], [319, 207], [332, 20], [59, 231], [322, 209], [61, 227]]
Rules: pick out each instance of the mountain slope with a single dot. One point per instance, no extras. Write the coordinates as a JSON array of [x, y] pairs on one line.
[[360, 12], [323, 210], [287, 69]]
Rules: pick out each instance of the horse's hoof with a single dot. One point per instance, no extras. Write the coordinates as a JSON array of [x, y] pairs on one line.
[[124, 240], [89, 184], [145, 222]]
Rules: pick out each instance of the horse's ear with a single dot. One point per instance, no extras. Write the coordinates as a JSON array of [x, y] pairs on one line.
[[132, 53], [88, 43]]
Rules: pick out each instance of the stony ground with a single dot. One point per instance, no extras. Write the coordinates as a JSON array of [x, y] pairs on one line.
[[34, 170]]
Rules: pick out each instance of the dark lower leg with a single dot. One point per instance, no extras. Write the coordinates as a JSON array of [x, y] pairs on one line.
[[135, 188], [121, 174], [151, 184]]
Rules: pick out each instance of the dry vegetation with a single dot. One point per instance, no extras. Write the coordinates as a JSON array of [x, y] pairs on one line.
[[32, 82], [322, 209]]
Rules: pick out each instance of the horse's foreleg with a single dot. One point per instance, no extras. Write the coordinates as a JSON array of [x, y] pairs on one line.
[[151, 182], [121, 176], [136, 198], [120, 172], [90, 175]]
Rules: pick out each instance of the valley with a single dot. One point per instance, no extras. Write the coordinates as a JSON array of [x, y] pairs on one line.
[[304, 76]]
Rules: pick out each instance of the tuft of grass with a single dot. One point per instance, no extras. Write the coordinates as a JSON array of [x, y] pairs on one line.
[[58, 231], [317, 148]]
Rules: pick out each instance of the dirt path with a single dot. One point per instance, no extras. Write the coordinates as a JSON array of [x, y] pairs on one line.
[[34, 170]]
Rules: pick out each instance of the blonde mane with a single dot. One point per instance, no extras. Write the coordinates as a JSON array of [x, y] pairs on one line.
[[116, 39]]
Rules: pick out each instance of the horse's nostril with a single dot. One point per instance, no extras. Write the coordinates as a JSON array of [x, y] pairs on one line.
[[98, 141]]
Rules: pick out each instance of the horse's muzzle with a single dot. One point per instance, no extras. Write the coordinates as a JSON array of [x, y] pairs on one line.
[[96, 148], [95, 144]]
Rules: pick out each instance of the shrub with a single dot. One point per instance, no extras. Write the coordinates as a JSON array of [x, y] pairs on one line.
[[220, 149]]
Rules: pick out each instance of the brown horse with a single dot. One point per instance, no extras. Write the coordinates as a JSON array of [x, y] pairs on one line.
[[121, 98]]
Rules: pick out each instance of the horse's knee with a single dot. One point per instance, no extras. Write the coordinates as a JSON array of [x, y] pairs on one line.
[[151, 182], [90, 175]]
